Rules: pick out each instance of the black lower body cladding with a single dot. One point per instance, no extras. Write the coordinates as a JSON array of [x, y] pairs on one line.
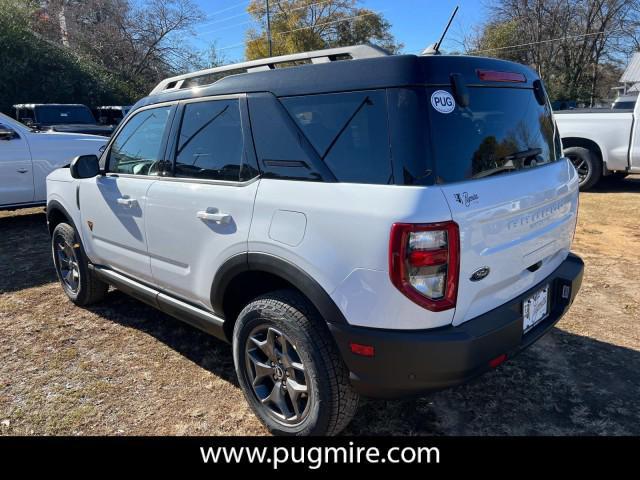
[[418, 361]]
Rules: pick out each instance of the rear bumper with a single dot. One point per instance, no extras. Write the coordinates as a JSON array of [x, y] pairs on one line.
[[417, 361]]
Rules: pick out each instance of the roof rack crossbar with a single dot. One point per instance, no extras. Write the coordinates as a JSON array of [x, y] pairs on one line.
[[356, 52]]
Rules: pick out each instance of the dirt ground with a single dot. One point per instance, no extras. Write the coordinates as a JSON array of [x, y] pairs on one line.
[[122, 368]]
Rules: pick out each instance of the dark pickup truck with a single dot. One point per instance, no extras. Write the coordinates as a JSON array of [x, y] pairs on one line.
[[69, 118]]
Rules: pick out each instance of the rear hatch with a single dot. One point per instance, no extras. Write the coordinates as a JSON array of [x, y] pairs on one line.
[[497, 158]]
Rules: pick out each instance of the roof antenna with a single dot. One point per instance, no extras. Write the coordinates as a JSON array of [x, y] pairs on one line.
[[435, 48]]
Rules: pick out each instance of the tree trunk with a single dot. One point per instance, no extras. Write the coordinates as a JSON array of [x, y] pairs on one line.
[[594, 84], [62, 18]]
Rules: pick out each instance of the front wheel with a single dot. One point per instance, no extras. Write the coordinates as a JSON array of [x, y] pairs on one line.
[[289, 368], [71, 264]]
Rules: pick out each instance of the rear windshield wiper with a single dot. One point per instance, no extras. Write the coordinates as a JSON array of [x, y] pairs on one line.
[[494, 171], [531, 152], [508, 160]]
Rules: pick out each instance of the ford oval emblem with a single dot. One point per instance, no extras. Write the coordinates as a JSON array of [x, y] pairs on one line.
[[480, 274]]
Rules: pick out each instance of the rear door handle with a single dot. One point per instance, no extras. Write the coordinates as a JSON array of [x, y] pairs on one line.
[[212, 215], [22, 170], [127, 202]]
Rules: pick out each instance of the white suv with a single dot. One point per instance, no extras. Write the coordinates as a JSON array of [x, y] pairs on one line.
[[382, 225]]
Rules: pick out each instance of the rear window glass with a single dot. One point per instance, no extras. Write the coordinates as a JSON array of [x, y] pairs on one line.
[[501, 130], [55, 115], [348, 131]]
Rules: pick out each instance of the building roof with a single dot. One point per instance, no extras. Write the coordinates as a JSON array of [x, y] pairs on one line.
[[632, 72]]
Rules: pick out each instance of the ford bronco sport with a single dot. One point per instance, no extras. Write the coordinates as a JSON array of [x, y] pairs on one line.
[[352, 222]]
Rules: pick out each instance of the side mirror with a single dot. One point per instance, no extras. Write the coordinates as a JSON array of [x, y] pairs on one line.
[[7, 134], [85, 166]]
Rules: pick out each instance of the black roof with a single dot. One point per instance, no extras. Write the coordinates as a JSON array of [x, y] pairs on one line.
[[348, 75]]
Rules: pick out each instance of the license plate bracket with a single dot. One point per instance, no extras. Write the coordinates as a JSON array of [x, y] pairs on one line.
[[535, 308]]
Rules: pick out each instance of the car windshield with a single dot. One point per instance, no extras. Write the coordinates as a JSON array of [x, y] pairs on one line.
[[63, 114]]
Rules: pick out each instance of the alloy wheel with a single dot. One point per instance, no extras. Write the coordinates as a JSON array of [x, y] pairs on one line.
[[67, 264], [277, 375], [582, 167]]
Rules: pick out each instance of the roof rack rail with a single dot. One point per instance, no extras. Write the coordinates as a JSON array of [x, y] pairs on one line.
[[212, 75]]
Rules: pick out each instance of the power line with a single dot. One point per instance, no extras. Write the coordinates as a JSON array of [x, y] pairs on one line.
[[508, 47], [237, 45], [330, 23], [208, 23], [230, 47], [570, 37], [226, 27], [246, 4], [211, 22], [308, 6]]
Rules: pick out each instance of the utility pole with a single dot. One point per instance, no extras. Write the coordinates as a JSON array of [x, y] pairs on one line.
[[269, 29]]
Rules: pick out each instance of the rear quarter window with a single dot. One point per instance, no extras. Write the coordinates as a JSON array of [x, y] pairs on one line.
[[349, 132]]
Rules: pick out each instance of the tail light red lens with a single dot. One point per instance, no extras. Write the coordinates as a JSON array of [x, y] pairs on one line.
[[424, 263]]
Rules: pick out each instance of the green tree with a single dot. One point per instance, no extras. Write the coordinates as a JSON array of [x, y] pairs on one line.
[[37, 70], [304, 25], [496, 35]]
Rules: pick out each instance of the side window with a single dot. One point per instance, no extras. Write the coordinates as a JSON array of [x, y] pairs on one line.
[[210, 144], [349, 132], [282, 149], [138, 147]]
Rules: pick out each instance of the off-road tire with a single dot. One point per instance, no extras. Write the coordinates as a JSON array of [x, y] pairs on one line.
[[333, 402], [590, 161], [90, 288]]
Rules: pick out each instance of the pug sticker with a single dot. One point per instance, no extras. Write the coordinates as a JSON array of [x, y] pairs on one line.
[[443, 101]]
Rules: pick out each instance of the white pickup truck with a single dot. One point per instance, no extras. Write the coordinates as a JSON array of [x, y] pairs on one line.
[[28, 156], [601, 142]]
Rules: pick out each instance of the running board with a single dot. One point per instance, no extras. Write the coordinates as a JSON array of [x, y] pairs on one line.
[[18, 206], [197, 317]]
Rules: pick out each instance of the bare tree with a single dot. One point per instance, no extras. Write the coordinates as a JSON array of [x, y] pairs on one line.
[[567, 41], [142, 42]]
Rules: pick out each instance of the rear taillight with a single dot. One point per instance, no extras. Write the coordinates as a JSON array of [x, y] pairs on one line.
[[424, 263]]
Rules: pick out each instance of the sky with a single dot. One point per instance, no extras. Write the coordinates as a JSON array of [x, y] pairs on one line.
[[415, 23]]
